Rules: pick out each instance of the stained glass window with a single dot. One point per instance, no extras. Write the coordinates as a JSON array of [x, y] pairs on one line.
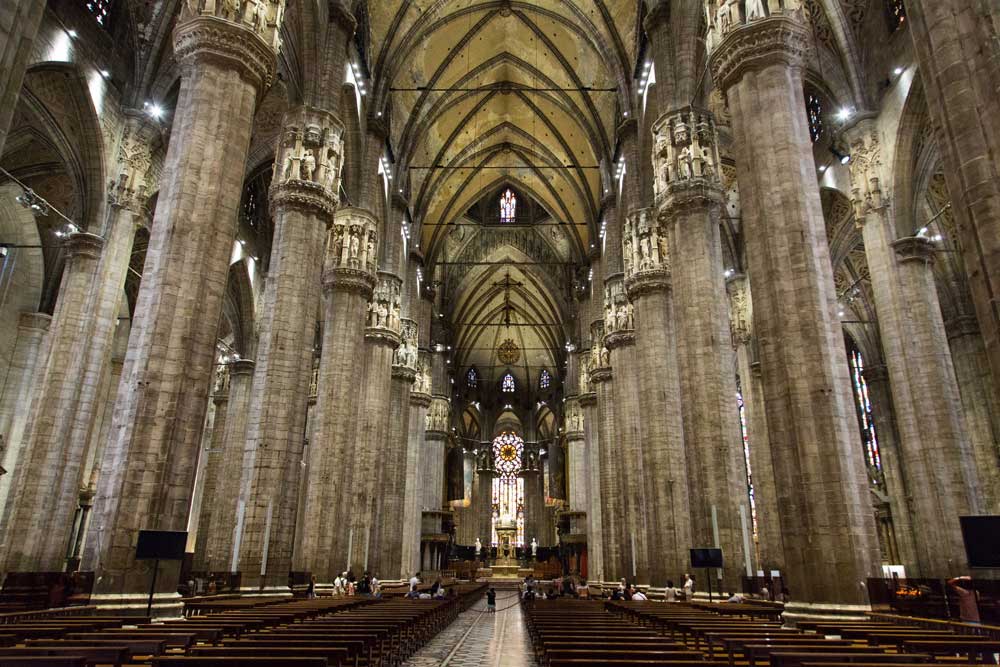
[[472, 378], [100, 9], [508, 488], [507, 384], [741, 406], [895, 14], [865, 416], [814, 109], [508, 206], [544, 379]]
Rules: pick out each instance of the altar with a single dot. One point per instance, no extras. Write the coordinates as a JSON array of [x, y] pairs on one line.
[[506, 565]]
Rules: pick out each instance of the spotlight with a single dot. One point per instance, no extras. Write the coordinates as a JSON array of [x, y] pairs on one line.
[[844, 114], [897, 71], [155, 110], [727, 273], [71, 33], [105, 73], [822, 168], [844, 158]]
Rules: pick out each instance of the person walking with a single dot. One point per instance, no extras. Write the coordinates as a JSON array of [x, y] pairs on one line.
[[688, 587], [491, 601]]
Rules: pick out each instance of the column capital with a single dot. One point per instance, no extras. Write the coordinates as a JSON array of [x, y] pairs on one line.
[[241, 367], [309, 162], [406, 359], [352, 252], [340, 15], [657, 17], [438, 417], [574, 418], [745, 47], [231, 41], [962, 325], [915, 249], [384, 324], [84, 244], [686, 160], [39, 321], [420, 399], [645, 254], [129, 190], [589, 399]]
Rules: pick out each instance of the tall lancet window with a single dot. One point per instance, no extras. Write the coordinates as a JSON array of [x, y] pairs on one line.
[[895, 14], [508, 488], [472, 378], [508, 206], [507, 384], [866, 419], [741, 407], [814, 109], [544, 379]]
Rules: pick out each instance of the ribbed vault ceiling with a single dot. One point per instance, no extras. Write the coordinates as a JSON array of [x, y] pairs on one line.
[[488, 93]]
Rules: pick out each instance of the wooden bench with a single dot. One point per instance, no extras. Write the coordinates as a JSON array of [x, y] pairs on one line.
[[181, 640], [333, 655], [973, 647], [44, 661], [135, 647], [104, 655], [219, 661], [797, 658]]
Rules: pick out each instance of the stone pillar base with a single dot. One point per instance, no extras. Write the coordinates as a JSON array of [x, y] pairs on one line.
[[166, 606], [796, 612]]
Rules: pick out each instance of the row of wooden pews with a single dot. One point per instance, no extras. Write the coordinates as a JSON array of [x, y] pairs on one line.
[[743, 638], [277, 632], [583, 633]]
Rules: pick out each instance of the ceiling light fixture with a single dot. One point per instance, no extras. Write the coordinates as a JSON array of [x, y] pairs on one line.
[[844, 158]]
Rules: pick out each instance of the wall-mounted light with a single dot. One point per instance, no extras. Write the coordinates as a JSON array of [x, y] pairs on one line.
[[844, 158]]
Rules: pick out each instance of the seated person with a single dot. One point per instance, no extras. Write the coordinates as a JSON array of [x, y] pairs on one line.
[[638, 596], [735, 597]]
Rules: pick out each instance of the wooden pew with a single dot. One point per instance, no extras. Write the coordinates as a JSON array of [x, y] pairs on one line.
[[44, 661], [103, 655], [972, 647], [135, 647], [797, 659], [218, 661]]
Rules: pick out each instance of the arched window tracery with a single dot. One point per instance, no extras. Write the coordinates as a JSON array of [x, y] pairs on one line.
[[895, 14], [508, 487], [507, 385], [472, 378], [814, 110], [101, 9], [866, 418], [508, 206], [544, 379]]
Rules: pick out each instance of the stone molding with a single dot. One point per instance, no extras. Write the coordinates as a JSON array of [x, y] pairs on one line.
[[961, 326], [384, 323], [420, 399], [588, 399], [241, 367], [616, 339], [342, 16], [404, 373], [84, 244], [304, 196], [915, 249], [600, 374], [778, 39], [343, 279], [226, 44], [619, 314], [34, 320]]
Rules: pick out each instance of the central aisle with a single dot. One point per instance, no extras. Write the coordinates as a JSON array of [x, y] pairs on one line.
[[477, 639]]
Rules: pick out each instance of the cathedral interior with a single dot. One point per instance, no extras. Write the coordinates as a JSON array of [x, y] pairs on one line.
[[482, 288]]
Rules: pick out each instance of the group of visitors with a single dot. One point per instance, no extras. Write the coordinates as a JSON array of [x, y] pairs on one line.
[[437, 591]]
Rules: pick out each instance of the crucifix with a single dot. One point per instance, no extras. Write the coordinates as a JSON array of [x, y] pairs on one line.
[[507, 309]]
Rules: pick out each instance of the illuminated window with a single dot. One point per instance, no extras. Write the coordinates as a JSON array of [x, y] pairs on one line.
[[895, 14], [472, 378], [741, 406], [866, 418], [508, 206], [814, 109], [507, 385], [508, 488], [100, 9], [544, 379]]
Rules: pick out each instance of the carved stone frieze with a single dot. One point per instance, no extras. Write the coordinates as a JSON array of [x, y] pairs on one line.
[[207, 38], [309, 161], [352, 252], [263, 17], [780, 38], [725, 16], [384, 323]]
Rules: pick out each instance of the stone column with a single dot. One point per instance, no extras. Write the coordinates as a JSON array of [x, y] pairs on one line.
[[30, 350], [647, 271], [826, 515], [982, 406], [224, 528], [880, 395], [416, 462], [593, 506], [959, 61], [393, 456], [770, 550], [689, 201], [382, 337], [19, 20], [576, 455], [215, 469], [436, 439], [348, 281], [934, 447], [304, 195], [43, 512], [613, 523], [225, 64]]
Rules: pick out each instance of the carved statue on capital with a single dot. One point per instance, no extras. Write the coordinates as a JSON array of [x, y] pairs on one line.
[[438, 415], [264, 17], [220, 384], [574, 416], [311, 152], [865, 166], [383, 310], [130, 189], [354, 241], [618, 310], [686, 152], [740, 313], [724, 16], [644, 243], [406, 354]]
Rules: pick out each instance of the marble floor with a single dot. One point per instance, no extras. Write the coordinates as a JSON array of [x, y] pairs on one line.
[[478, 639]]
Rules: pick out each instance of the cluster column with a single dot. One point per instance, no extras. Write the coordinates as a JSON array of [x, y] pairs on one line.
[[416, 464], [689, 197], [19, 21], [213, 471], [647, 279], [304, 196], [348, 283], [934, 447], [826, 517]]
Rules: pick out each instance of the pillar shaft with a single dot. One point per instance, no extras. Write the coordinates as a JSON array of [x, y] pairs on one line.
[[303, 197], [348, 280], [391, 494], [826, 516], [214, 471], [223, 527], [416, 462], [594, 505], [149, 464], [28, 356], [959, 59], [19, 20]]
